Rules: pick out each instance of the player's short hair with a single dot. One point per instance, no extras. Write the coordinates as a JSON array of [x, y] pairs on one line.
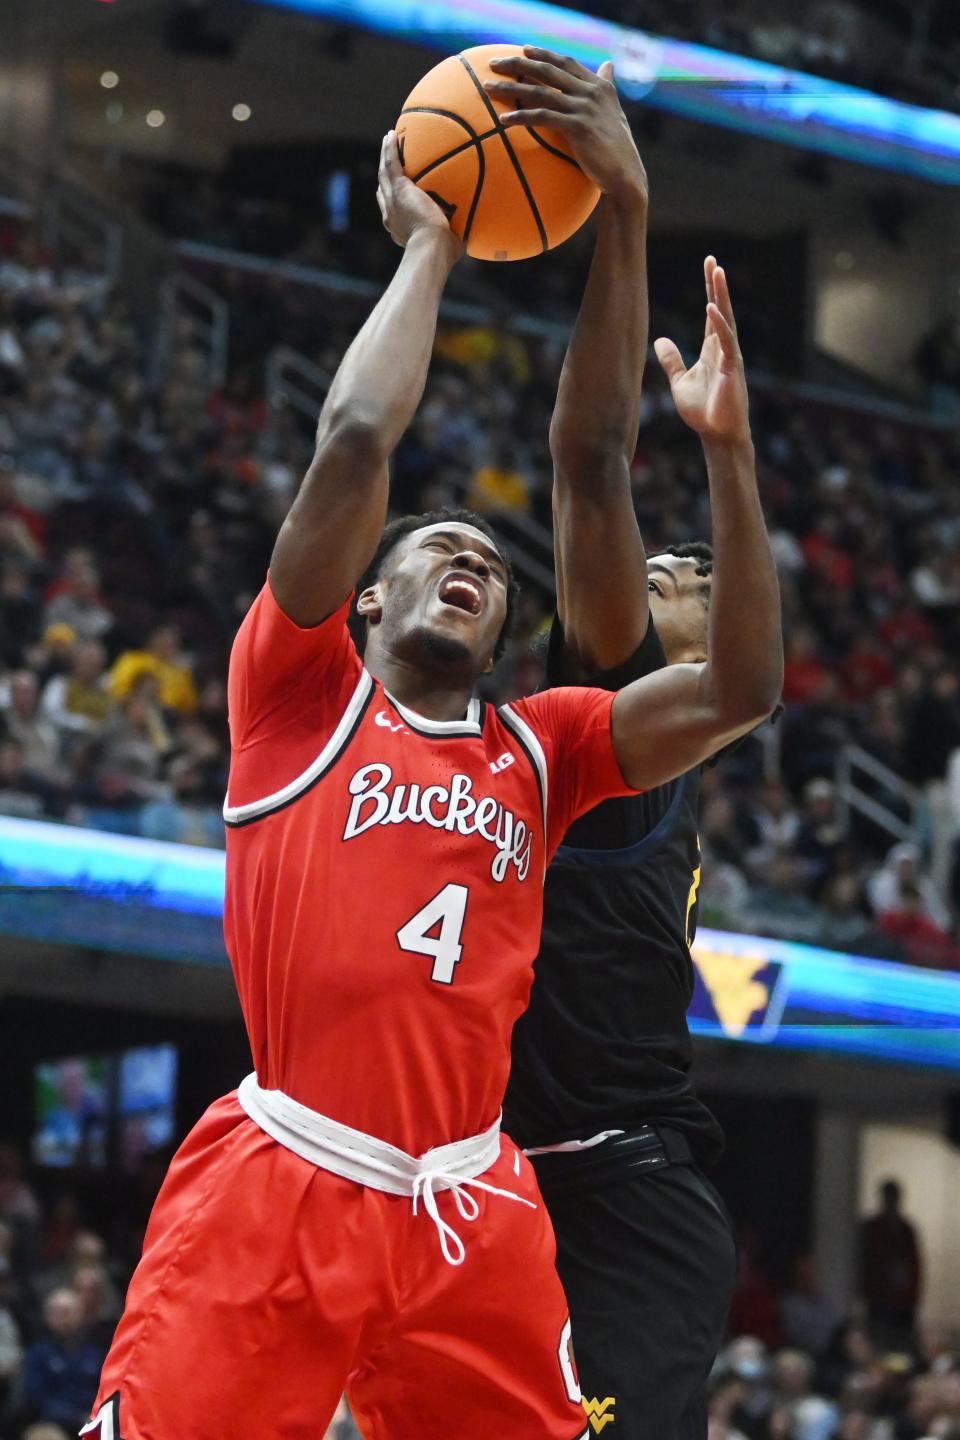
[[398, 530], [697, 550]]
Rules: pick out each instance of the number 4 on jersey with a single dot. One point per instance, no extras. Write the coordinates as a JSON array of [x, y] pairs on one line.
[[444, 914]]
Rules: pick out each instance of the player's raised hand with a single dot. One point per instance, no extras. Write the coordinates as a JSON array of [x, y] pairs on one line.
[[711, 397], [404, 206], [547, 89]]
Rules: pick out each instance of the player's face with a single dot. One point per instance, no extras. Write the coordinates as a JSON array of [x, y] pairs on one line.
[[678, 604], [442, 598]]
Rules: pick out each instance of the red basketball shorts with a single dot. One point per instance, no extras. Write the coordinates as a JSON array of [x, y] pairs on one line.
[[268, 1286]]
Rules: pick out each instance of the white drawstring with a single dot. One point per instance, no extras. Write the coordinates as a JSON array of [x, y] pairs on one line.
[[369, 1161], [467, 1205]]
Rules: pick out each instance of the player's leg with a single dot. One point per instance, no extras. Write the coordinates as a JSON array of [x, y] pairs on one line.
[[648, 1265], [480, 1349], [245, 1312]]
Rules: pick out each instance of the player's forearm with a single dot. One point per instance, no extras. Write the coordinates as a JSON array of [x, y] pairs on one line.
[[744, 672], [381, 379], [597, 415], [601, 571], [329, 537]]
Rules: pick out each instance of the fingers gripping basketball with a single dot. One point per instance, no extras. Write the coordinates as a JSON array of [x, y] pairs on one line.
[[508, 194]]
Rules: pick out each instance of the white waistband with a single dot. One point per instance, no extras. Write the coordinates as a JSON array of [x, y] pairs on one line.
[[372, 1162]]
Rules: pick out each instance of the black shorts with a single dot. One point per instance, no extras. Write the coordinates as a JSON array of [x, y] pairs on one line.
[[647, 1257]]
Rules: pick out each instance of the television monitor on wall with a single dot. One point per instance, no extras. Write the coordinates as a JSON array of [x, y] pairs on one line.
[[94, 1111]]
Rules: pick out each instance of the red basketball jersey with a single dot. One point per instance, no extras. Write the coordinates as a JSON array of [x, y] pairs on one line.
[[385, 877]]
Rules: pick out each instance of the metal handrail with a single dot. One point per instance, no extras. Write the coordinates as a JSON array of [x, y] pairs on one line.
[[213, 321], [471, 312], [851, 796], [279, 388], [863, 760], [67, 215], [476, 313]]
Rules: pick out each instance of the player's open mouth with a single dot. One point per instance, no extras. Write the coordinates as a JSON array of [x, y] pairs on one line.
[[462, 592]]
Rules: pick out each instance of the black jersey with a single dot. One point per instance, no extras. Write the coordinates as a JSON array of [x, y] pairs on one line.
[[604, 1044]]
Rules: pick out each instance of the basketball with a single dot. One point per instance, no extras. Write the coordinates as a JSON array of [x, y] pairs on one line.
[[508, 193]]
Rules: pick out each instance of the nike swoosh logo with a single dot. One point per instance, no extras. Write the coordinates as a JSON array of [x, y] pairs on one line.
[[383, 719]]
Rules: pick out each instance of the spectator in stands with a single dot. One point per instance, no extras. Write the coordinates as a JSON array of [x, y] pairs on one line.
[[887, 895], [932, 731], [100, 1304], [191, 814], [827, 553], [79, 702], [821, 835], [45, 1431], [11, 1346], [128, 769], [804, 676], [25, 723], [866, 668], [11, 1286], [500, 485], [805, 1415], [76, 559], [777, 824], [61, 1371], [743, 1371], [18, 1203], [810, 1319], [936, 582], [882, 731], [24, 792], [482, 348], [922, 1406], [725, 1400], [923, 942], [79, 604], [86, 1251], [51, 654], [163, 658], [891, 1277], [19, 621], [22, 530], [755, 1309], [845, 923]]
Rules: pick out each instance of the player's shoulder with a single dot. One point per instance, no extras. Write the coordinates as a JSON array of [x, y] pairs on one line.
[[284, 676], [560, 702], [559, 719]]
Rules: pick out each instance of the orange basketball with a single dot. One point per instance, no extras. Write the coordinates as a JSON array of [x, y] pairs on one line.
[[508, 194]]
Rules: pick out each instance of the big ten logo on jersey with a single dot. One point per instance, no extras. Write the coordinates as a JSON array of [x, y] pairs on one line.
[[105, 1425], [378, 800]]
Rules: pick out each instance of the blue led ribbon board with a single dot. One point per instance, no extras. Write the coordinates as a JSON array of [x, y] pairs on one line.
[[69, 886], [686, 79], [773, 992], [112, 892]]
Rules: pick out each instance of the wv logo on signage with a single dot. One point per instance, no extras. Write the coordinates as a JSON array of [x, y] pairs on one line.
[[600, 1412], [739, 992]]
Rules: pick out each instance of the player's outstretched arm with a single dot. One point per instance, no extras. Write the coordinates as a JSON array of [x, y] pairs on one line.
[[600, 563], [329, 536], [675, 719]]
